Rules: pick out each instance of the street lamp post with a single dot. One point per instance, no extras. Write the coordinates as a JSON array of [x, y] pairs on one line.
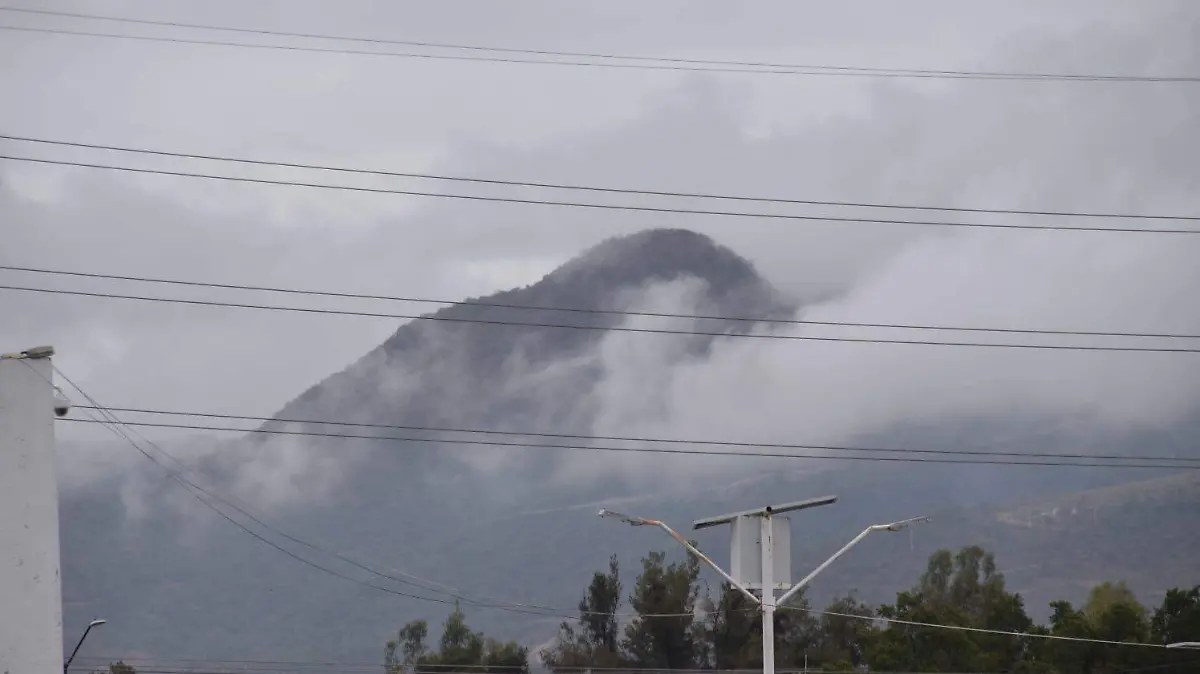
[[743, 550], [94, 623]]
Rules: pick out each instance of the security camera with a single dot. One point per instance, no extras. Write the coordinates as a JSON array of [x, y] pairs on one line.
[[61, 404]]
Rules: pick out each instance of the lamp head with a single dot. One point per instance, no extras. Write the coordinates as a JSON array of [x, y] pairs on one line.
[[62, 404], [903, 524], [628, 519]]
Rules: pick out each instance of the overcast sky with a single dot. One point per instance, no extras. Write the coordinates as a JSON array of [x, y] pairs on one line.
[[1127, 147]]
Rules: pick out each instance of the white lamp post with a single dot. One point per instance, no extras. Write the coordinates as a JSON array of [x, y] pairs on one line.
[[762, 559], [94, 623]]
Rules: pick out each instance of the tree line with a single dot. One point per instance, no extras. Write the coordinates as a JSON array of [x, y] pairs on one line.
[[119, 667], [960, 589], [667, 621]]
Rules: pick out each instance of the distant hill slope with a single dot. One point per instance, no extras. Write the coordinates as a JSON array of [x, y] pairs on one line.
[[226, 595], [1066, 510]]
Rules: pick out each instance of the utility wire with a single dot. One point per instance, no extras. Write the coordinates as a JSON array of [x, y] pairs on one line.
[[611, 207], [687, 441], [810, 611], [604, 312], [874, 73], [979, 630], [643, 450], [607, 60], [566, 326], [592, 188], [291, 667], [114, 424]]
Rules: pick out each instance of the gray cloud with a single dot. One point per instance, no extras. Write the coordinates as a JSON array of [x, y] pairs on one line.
[[1070, 146]]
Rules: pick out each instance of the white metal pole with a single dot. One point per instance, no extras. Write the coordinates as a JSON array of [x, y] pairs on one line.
[[704, 558], [894, 526], [768, 594], [645, 521], [30, 587]]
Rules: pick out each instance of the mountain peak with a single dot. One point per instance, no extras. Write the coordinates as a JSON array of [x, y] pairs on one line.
[[656, 255], [465, 361]]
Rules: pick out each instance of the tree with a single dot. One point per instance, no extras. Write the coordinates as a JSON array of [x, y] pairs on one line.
[[1069, 657], [409, 650], [839, 639], [963, 589], [1107, 596], [459, 645], [598, 608], [593, 640], [669, 592], [732, 631], [730, 636], [507, 657], [119, 667], [459, 649], [1178, 619]]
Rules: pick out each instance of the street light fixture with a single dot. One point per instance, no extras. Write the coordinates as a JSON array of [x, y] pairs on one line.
[[894, 526], [95, 623], [644, 522], [768, 531], [1184, 644]]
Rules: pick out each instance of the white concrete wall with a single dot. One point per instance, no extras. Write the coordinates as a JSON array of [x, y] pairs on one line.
[[30, 586]]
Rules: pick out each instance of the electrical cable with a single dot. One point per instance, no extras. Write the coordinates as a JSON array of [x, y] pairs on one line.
[[644, 450], [564, 326], [592, 188], [602, 312], [607, 60], [290, 667], [979, 630], [115, 424], [610, 207], [687, 441]]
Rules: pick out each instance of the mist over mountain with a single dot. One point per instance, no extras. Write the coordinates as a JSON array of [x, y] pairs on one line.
[[451, 372], [517, 524]]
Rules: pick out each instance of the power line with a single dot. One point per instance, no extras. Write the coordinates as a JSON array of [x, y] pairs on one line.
[[607, 60], [642, 450], [605, 312], [643, 439], [978, 630], [592, 188], [290, 667], [114, 424], [611, 207], [567, 326], [811, 611]]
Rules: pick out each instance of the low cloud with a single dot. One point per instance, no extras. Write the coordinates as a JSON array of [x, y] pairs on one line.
[[1045, 146], [812, 392]]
